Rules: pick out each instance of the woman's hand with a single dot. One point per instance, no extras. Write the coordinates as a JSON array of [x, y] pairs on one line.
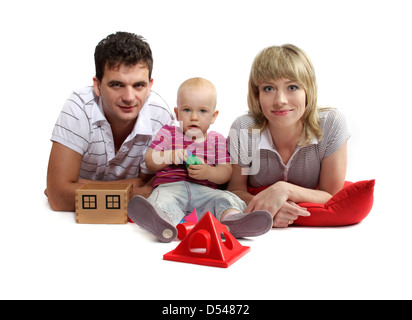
[[275, 200], [270, 199], [288, 213]]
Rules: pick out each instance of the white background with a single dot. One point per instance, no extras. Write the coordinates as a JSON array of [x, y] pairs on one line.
[[362, 54]]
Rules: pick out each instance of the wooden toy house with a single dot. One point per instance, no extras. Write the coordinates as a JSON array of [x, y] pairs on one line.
[[103, 203]]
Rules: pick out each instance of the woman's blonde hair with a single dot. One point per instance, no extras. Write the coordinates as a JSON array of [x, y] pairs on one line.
[[289, 62]]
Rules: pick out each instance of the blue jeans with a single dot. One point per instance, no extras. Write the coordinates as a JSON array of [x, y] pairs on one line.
[[178, 199]]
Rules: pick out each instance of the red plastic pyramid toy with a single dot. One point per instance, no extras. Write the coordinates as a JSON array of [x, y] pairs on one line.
[[210, 244]]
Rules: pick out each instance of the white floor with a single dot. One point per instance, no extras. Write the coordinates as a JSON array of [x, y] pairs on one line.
[[361, 52], [46, 255]]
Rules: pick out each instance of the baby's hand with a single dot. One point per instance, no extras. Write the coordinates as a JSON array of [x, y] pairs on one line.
[[175, 156], [199, 171], [179, 156], [192, 159]]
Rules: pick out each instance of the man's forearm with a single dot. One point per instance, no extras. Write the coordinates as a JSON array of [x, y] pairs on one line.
[[63, 198]]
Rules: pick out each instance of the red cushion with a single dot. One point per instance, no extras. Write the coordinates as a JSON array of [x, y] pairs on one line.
[[350, 205]]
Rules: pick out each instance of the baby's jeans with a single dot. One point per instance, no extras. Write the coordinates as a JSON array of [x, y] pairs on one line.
[[178, 199]]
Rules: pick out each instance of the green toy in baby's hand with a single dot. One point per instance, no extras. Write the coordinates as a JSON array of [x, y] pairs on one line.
[[192, 159]]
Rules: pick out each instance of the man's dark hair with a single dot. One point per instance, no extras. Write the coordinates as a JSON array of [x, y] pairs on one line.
[[122, 48]]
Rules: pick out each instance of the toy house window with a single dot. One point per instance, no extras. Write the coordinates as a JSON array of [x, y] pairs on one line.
[[112, 202], [89, 202]]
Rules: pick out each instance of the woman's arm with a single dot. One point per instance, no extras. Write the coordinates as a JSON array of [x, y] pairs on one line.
[[280, 198], [331, 180], [333, 172], [238, 183]]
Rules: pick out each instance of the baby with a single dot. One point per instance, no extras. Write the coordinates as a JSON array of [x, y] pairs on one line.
[[179, 189]]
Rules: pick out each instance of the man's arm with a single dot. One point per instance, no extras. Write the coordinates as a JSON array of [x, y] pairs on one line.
[[62, 178]]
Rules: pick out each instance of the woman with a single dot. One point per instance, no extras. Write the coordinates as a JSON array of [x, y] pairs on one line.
[[286, 146]]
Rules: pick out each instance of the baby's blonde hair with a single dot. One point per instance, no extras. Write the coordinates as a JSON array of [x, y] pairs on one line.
[[198, 82]]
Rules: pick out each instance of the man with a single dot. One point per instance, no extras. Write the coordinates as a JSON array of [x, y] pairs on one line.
[[103, 131]]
